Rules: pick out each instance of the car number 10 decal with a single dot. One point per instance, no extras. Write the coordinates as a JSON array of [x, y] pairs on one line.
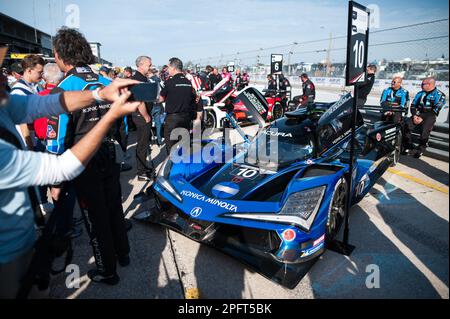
[[245, 172]]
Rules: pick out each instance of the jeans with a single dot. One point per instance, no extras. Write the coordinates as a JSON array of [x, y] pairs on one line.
[[157, 114]]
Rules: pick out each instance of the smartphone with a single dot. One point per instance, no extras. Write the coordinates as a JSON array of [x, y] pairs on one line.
[[144, 92]]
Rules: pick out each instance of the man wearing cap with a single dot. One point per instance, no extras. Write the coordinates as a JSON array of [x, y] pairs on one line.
[[16, 74]]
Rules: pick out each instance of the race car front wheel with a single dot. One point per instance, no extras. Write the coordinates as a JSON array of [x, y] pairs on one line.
[[337, 208], [395, 157], [210, 120]]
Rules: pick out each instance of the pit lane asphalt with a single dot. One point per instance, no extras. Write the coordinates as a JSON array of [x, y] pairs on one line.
[[401, 227]]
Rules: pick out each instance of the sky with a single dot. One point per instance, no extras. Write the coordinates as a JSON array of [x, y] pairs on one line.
[[198, 29]]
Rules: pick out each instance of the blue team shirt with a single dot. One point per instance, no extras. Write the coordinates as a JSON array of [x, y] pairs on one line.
[[400, 96], [425, 102], [63, 130]]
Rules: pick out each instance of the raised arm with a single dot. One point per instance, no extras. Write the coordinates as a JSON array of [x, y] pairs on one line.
[[20, 169], [25, 109]]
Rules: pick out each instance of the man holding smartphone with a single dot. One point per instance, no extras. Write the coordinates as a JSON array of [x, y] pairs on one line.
[[143, 122]]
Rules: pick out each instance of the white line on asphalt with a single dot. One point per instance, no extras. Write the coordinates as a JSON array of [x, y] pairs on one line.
[[84, 283]]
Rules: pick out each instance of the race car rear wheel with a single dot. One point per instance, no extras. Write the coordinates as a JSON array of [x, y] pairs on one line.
[[337, 208], [277, 112], [210, 120], [395, 157]]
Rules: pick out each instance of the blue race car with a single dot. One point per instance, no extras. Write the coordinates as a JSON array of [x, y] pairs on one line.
[[276, 216]]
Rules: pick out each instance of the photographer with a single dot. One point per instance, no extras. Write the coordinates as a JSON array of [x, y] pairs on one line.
[[21, 169]]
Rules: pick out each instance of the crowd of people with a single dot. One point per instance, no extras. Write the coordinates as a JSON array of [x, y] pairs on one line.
[[59, 126], [60, 123], [395, 103]]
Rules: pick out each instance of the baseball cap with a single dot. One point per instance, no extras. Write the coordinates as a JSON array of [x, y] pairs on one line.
[[104, 69]]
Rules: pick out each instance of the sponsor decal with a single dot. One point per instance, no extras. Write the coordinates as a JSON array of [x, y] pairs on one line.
[[212, 201], [334, 80], [245, 172], [237, 179], [51, 132], [196, 211], [320, 80], [83, 69], [335, 107], [363, 184], [289, 235], [391, 130], [225, 190], [342, 137], [378, 137], [254, 100], [314, 249], [272, 133], [319, 240]]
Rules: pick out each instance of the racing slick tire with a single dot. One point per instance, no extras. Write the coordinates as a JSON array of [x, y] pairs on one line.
[[337, 209], [277, 111], [395, 157], [210, 120]]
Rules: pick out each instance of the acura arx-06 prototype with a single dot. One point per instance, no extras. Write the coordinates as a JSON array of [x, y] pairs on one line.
[[277, 212]]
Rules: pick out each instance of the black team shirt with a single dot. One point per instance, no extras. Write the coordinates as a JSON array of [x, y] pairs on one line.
[[179, 95]]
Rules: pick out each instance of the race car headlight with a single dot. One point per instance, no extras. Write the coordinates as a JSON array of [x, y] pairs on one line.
[[163, 179], [165, 168], [300, 209], [304, 204]]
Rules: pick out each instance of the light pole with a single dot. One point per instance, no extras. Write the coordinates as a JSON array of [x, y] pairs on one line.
[[289, 57]]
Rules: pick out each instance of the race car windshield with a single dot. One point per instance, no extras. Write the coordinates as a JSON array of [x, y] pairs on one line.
[[273, 150]]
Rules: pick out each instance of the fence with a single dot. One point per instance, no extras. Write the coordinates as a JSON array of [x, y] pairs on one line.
[[414, 51]]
